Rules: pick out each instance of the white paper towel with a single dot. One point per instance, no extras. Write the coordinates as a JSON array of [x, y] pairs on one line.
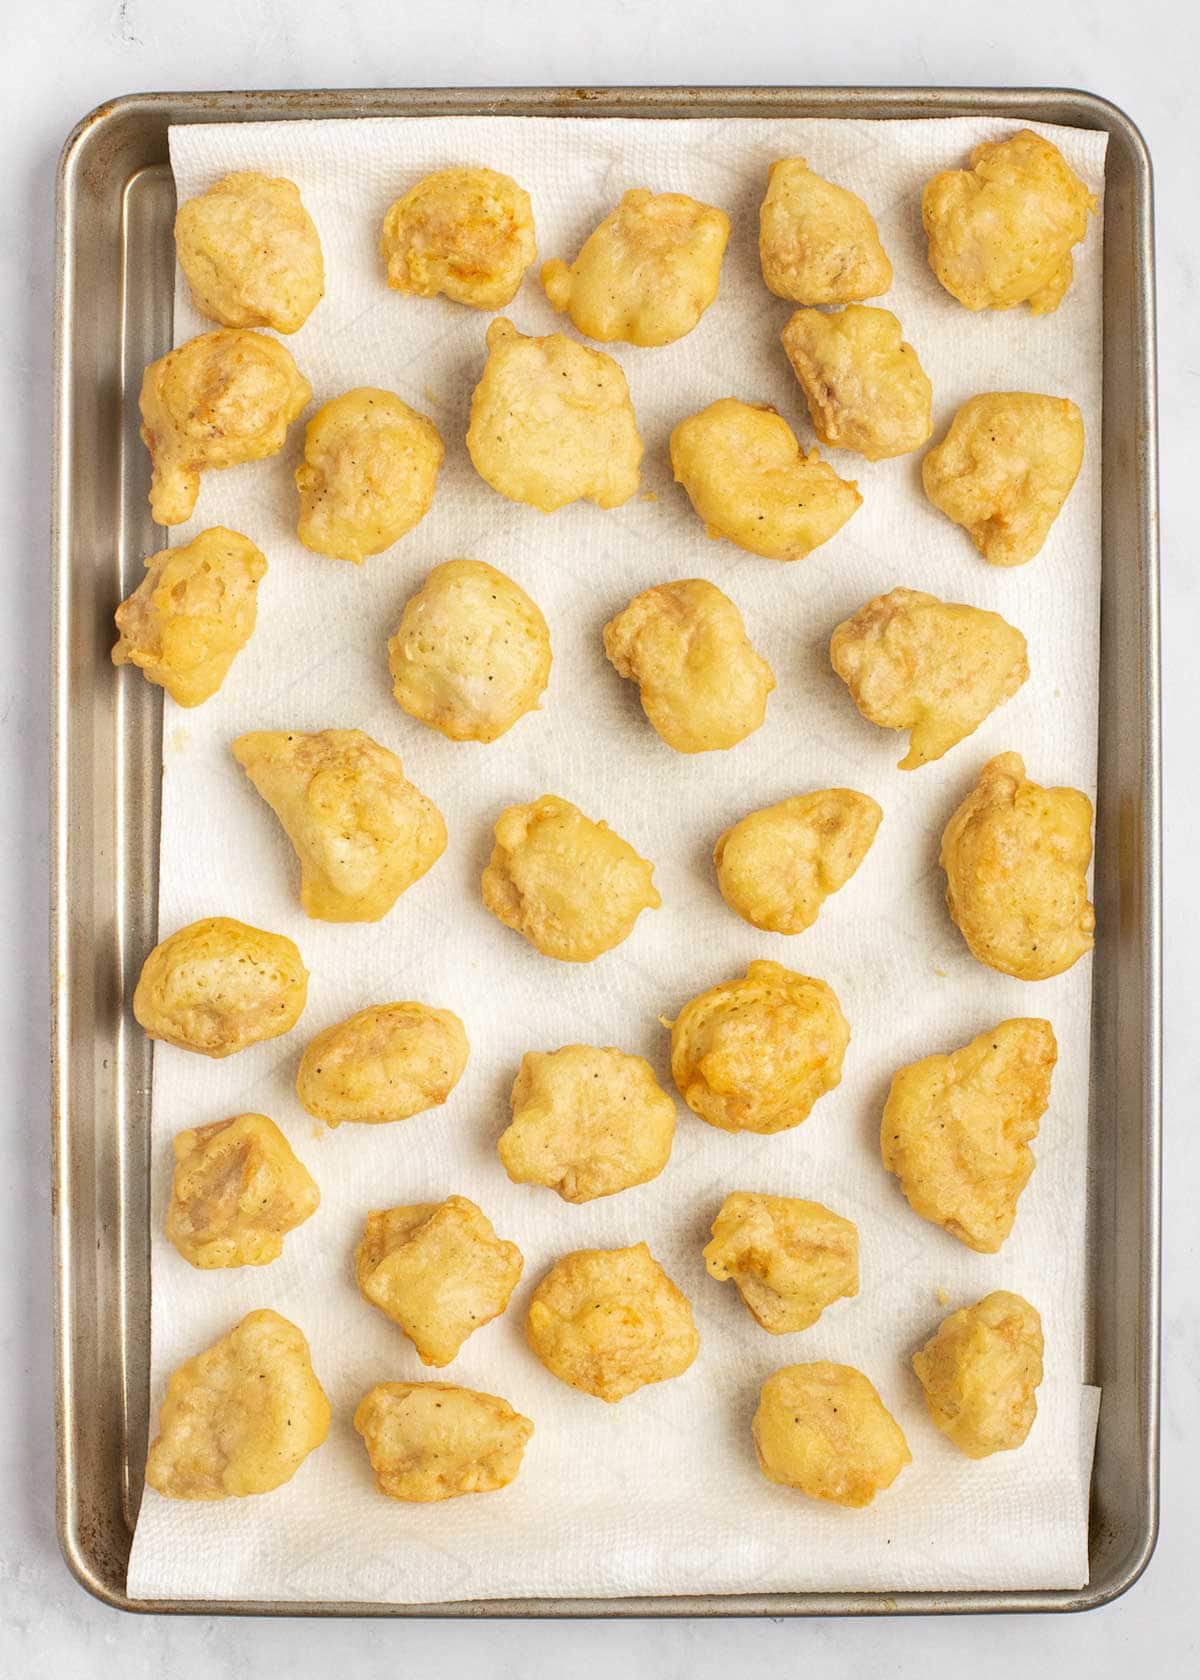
[[661, 1493]]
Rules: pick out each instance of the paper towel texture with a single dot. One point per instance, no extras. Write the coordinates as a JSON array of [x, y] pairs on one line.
[[661, 1493]]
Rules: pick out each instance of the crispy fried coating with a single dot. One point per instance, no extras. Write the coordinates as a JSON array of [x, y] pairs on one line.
[[981, 1371], [466, 234], [250, 252], [471, 654], [754, 1055], [238, 1190], [241, 1417], [790, 1259], [863, 384], [702, 685], [609, 1321], [219, 400], [571, 886], [777, 866], [1016, 859], [1004, 470], [749, 481], [438, 1270], [936, 668], [822, 1428], [647, 273], [818, 242], [218, 986], [587, 1122], [192, 613], [956, 1129], [1001, 232], [368, 475], [362, 832], [385, 1063], [552, 423], [428, 1441]]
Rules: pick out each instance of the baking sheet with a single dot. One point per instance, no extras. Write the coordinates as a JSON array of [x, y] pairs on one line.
[[811, 727]]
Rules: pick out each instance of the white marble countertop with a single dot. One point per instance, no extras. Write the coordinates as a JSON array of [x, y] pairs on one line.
[[66, 56]]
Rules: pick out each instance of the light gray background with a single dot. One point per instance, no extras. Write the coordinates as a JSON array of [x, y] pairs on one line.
[[61, 57]]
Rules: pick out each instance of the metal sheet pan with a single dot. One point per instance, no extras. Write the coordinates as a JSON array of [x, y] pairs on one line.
[[113, 310]]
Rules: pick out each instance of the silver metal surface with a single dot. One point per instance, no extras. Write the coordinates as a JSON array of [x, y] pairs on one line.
[[113, 315]]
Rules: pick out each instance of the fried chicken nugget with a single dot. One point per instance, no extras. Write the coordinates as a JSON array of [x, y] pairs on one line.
[[703, 687], [219, 400], [465, 233], [241, 1417], [385, 1063], [863, 384], [754, 1055], [238, 1190], [571, 886], [192, 613], [747, 478], [981, 1372], [822, 1428], [552, 423], [1001, 232], [790, 1259], [250, 252], [218, 986], [362, 832], [936, 668], [1016, 859], [956, 1129], [471, 654], [776, 867], [368, 475], [438, 1270], [1004, 470], [647, 273], [609, 1321], [428, 1441], [818, 242]]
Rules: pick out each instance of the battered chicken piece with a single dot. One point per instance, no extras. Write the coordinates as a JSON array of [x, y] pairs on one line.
[[552, 423], [571, 886], [238, 1190], [241, 1417], [388, 1062], [219, 400], [818, 242], [586, 1122], [429, 1441], [218, 986], [438, 1270], [981, 1371], [776, 867], [609, 1321], [956, 1129], [471, 654], [647, 273], [192, 613], [250, 253], [1016, 858], [790, 1259], [937, 668], [1001, 232], [863, 384], [368, 475], [362, 832], [749, 481], [753, 1055], [702, 685], [1004, 470], [464, 233], [822, 1428]]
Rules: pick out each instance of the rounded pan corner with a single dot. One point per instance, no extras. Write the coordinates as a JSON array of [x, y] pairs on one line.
[[98, 123], [1114, 119], [89, 1571], [1130, 1571]]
